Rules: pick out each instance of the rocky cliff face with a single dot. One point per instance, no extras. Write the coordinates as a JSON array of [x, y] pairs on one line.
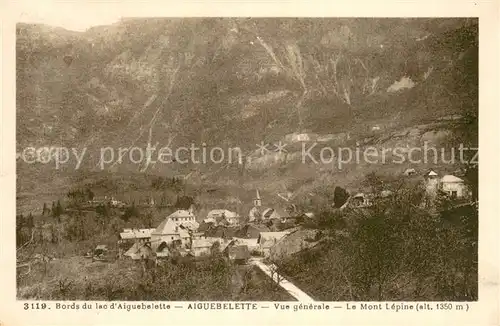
[[237, 82]]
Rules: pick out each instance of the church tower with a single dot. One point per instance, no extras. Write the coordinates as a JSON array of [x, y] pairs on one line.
[[257, 202]]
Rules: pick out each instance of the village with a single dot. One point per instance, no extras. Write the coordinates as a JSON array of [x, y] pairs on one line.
[[291, 211], [267, 235], [264, 237]]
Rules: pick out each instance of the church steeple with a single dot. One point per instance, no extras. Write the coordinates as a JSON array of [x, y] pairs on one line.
[[257, 201]]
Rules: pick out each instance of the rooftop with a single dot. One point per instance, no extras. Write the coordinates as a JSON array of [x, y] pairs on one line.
[[136, 233], [451, 178]]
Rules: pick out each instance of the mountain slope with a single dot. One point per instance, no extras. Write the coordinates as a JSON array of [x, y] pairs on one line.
[[235, 82]]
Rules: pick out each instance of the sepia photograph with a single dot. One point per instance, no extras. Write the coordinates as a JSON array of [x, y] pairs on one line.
[[248, 159]]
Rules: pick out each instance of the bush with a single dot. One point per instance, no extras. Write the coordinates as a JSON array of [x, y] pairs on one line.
[[394, 251]]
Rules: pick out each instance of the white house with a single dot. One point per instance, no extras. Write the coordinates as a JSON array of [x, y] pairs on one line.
[[185, 218], [217, 215], [136, 235], [168, 232], [453, 186]]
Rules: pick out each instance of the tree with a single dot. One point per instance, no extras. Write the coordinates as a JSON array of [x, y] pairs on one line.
[[148, 219], [45, 209], [30, 221], [375, 182], [19, 226], [90, 194], [472, 179], [184, 202], [102, 211], [131, 211], [58, 211], [340, 196]]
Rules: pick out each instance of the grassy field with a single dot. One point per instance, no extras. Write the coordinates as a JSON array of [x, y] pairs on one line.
[[79, 278]]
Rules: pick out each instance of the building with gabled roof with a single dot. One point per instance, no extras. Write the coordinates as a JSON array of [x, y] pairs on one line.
[[250, 243], [410, 172], [140, 251], [238, 253], [267, 240], [185, 218], [297, 240], [453, 186], [431, 174], [136, 234], [222, 216], [203, 246], [252, 231], [274, 213], [169, 232]]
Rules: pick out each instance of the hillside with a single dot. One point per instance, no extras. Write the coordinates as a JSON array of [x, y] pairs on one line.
[[237, 82]]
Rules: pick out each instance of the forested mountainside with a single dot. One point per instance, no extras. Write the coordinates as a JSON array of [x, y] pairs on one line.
[[237, 82]]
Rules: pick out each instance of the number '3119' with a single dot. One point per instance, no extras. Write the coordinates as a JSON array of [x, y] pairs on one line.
[[35, 306]]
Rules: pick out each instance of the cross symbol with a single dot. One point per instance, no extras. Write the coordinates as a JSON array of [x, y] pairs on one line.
[[280, 147], [262, 147]]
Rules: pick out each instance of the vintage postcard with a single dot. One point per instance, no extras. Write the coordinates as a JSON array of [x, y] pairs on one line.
[[223, 163]]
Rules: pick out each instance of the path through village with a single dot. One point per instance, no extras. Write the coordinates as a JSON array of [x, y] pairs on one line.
[[288, 286]]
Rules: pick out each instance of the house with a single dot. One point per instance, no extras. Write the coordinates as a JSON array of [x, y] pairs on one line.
[[431, 174], [98, 253], [201, 247], [197, 235], [116, 203], [205, 245], [184, 218], [385, 193], [453, 186], [105, 200], [274, 213], [267, 240], [288, 219], [222, 216], [209, 220], [339, 137], [238, 253], [163, 252], [299, 137], [254, 214], [360, 200], [410, 172], [221, 231], [170, 232], [140, 251], [296, 241], [100, 250], [135, 235], [309, 214], [252, 231], [250, 243]]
